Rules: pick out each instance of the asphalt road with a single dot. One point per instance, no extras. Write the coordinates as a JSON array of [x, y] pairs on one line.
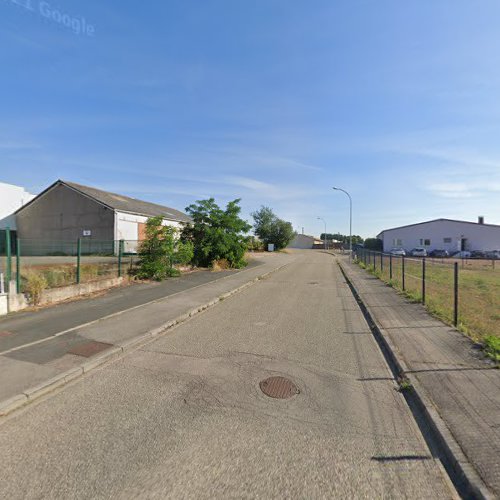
[[184, 417], [25, 327]]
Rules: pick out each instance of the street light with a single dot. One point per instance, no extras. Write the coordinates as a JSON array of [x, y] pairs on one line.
[[350, 218], [321, 218]]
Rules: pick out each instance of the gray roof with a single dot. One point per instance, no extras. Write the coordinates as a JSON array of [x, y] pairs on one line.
[[438, 220], [122, 203]]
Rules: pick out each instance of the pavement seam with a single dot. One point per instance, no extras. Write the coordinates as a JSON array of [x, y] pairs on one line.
[[456, 463], [31, 394], [117, 313]]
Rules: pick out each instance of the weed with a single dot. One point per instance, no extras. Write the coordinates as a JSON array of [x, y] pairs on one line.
[[404, 384], [34, 286], [492, 347], [220, 265]]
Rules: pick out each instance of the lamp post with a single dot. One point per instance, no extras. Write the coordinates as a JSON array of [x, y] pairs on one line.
[[350, 219], [321, 218]]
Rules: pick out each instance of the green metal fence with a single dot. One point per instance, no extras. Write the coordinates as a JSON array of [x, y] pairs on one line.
[[463, 292], [63, 263], [57, 263]]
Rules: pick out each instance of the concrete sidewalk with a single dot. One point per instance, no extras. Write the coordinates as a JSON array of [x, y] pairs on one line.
[[33, 370], [458, 386]]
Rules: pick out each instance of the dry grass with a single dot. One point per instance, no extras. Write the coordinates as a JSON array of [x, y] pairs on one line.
[[220, 265], [61, 275], [478, 291]]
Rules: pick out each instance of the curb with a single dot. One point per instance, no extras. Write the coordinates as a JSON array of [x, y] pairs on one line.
[[29, 395], [463, 475]]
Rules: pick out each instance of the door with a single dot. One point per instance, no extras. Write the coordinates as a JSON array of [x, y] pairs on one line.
[[142, 231]]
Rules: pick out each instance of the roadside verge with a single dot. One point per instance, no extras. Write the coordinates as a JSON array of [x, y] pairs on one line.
[[445, 383]]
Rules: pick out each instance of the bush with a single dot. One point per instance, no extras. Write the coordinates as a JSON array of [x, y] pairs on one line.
[[34, 286], [216, 234], [160, 250]]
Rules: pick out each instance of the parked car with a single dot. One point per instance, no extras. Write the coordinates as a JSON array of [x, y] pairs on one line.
[[419, 252], [462, 254], [439, 253], [494, 254], [398, 251], [478, 254]]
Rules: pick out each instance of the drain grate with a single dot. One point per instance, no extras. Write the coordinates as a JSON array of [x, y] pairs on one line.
[[278, 388], [89, 348]]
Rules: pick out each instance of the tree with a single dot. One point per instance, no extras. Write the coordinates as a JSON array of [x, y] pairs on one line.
[[374, 244], [216, 234], [161, 250], [342, 238], [271, 229]]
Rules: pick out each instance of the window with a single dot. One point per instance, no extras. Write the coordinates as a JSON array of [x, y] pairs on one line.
[[446, 240], [397, 242], [427, 243]]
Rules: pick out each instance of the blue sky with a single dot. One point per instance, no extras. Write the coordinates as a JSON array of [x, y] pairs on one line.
[[271, 101]]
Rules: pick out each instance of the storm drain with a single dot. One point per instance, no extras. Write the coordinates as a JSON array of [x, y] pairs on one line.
[[89, 348], [278, 388]]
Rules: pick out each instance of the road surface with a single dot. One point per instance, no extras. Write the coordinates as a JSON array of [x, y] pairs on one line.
[[184, 417]]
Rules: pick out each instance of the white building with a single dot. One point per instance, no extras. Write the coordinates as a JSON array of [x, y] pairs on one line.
[[11, 199], [443, 234]]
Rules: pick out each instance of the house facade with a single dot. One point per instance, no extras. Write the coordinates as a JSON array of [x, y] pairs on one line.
[[443, 234], [67, 211]]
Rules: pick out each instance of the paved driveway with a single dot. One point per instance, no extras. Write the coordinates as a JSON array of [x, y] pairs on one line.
[[184, 417]]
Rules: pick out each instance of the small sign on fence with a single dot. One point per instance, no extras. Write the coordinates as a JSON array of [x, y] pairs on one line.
[[87, 232]]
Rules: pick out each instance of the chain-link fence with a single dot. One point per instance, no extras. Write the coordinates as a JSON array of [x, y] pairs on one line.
[[463, 292]]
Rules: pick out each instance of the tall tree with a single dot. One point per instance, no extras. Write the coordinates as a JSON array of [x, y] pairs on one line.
[[216, 234], [271, 229]]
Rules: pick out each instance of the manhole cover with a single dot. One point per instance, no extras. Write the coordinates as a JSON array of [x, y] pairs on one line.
[[89, 348], [278, 387]]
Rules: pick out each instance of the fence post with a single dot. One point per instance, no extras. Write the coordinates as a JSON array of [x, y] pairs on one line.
[[382, 262], [455, 294], [9, 257], [78, 260], [18, 266], [390, 266], [120, 254], [423, 280], [403, 271]]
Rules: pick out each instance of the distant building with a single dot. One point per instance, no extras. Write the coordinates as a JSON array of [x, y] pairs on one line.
[[11, 198], [443, 234], [66, 211], [304, 241]]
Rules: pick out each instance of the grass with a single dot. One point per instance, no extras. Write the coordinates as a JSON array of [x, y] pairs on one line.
[[492, 348], [478, 291], [60, 275]]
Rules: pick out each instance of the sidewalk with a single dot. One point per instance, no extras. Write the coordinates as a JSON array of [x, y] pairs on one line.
[[31, 371], [459, 388]]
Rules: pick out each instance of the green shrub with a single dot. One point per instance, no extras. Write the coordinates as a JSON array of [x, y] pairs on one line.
[[160, 250], [492, 347], [216, 233]]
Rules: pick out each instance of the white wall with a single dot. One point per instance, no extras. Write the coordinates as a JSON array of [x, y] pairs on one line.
[[127, 228], [302, 241], [479, 236], [11, 198]]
